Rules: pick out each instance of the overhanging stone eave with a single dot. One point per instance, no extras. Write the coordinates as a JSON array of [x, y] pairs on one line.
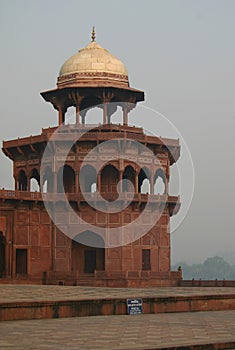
[[59, 92]]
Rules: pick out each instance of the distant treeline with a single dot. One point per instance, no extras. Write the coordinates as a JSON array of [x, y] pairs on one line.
[[212, 268]]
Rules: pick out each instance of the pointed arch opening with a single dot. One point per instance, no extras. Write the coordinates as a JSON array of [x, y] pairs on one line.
[[22, 181], [47, 185], [88, 179], [70, 116], [94, 116], [91, 111], [109, 179], [90, 239], [34, 181], [88, 253], [66, 179], [159, 182], [116, 114], [144, 181], [128, 176]]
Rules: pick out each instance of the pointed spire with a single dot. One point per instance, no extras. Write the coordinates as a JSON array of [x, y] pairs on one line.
[[93, 34]]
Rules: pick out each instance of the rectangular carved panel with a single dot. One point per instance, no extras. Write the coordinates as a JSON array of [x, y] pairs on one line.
[[45, 235], [45, 219], [34, 217], [22, 217], [88, 217], [34, 235], [22, 235], [114, 218], [60, 238]]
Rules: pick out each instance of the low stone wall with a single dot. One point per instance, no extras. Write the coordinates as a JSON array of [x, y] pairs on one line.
[[206, 283], [110, 306]]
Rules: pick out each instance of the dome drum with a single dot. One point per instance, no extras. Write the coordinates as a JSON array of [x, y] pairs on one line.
[[92, 79]]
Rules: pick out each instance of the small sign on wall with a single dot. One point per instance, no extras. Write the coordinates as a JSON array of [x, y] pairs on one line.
[[134, 306]]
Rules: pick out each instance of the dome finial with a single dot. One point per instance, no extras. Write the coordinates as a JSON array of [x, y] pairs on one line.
[[93, 34]]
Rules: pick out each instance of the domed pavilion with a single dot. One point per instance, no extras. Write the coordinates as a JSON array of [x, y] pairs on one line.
[[91, 77], [39, 246]]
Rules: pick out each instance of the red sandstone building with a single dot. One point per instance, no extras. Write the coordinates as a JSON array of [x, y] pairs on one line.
[[33, 247]]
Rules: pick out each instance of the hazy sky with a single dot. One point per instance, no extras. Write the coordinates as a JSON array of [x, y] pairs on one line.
[[181, 53]]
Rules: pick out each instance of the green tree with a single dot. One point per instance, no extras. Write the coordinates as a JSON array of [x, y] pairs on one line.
[[212, 268], [215, 267]]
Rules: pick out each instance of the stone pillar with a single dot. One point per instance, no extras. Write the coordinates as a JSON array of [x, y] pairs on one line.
[[78, 99], [10, 246], [107, 108], [136, 182], [120, 189], [76, 181], [105, 113], [78, 114], [125, 115], [151, 185], [166, 185], [99, 182], [28, 184], [61, 115], [127, 107]]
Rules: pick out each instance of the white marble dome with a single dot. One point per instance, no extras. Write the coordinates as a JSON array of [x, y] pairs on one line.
[[93, 59]]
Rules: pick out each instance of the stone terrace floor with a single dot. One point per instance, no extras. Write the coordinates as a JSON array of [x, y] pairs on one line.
[[152, 331], [15, 293], [145, 332]]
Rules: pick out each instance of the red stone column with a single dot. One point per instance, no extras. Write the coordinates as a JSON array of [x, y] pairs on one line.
[[76, 181], [120, 189], [61, 116], [28, 183], [152, 185], [125, 115], [78, 114], [136, 182], [107, 110], [78, 104], [99, 183], [105, 113], [166, 185]]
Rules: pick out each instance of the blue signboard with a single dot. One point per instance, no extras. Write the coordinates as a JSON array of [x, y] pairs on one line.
[[134, 306]]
